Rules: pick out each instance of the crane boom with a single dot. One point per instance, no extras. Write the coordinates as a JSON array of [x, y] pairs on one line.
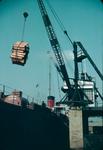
[[54, 43], [90, 60]]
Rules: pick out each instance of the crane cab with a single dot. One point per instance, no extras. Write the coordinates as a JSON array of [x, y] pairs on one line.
[[88, 89], [20, 52], [80, 56]]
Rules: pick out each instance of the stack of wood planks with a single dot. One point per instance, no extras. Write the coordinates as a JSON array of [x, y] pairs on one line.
[[20, 52]]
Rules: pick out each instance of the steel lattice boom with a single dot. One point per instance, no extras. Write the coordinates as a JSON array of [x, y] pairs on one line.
[[54, 43]]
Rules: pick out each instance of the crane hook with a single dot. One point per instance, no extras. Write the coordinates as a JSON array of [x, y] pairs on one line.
[[25, 14]]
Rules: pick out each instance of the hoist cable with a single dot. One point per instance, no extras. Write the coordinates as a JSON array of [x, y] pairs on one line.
[[59, 22], [25, 14], [22, 37]]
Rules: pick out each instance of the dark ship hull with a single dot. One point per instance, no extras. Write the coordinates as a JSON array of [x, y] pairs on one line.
[[27, 129]]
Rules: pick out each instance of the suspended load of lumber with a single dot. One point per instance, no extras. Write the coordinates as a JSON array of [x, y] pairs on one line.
[[20, 52]]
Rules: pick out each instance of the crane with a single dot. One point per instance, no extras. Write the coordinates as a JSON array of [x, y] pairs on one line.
[[55, 46], [74, 93]]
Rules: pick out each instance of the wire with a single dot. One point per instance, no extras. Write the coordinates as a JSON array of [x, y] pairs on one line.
[[59, 22], [25, 14], [6, 90], [22, 37], [66, 59], [59, 91], [61, 26], [102, 85]]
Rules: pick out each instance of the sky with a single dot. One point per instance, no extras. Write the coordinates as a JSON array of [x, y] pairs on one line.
[[83, 19]]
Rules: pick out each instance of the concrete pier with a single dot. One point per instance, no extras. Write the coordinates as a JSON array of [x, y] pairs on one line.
[[76, 128]]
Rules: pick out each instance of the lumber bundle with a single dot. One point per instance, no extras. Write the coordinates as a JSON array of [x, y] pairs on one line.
[[20, 52]]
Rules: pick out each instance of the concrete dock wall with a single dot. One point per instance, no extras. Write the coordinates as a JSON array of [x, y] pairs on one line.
[[76, 128]]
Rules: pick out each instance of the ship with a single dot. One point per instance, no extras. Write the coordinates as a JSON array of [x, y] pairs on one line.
[[25, 125], [32, 127]]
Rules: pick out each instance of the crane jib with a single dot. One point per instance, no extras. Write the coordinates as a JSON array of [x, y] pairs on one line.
[[54, 43]]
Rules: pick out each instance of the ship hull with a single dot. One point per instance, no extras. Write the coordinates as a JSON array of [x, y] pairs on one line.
[[26, 129]]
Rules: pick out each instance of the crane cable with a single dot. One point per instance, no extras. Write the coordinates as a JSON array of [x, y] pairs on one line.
[[59, 22], [25, 14], [61, 26]]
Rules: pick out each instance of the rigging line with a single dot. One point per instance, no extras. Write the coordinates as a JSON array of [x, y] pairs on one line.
[[102, 73], [8, 89], [25, 14], [61, 26], [22, 36], [66, 59], [102, 87], [58, 82], [6, 86], [59, 22], [56, 16]]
